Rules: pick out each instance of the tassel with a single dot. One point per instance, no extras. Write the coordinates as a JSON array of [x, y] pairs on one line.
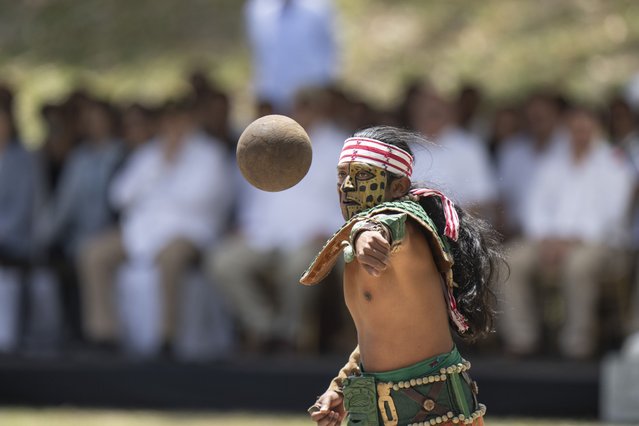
[[458, 319], [450, 214]]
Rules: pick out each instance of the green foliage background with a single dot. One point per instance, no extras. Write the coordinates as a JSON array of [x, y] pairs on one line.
[[126, 50]]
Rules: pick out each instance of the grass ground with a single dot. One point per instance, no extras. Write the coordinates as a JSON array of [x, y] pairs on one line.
[[76, 417]]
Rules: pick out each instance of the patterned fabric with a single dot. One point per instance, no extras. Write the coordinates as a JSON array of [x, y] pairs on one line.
[[325, 260], [450, 214], [377, 153], [436, 389]]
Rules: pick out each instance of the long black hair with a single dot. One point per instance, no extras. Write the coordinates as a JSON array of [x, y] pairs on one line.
[[477, 253]]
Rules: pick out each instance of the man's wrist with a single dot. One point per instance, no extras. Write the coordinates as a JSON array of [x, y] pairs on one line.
[[370, 225]]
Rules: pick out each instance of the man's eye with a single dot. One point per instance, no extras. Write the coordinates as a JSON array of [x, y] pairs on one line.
[[363, 175], [341, 175]]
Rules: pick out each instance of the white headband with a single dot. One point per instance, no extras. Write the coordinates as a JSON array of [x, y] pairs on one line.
[[377, 153]]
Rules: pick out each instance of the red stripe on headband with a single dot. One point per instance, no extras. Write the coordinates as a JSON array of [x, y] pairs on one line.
[[385, 153], [374, 161], [389, 152], [393, 148]]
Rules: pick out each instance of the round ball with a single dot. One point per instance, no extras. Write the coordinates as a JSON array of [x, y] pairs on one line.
[[274, 153]]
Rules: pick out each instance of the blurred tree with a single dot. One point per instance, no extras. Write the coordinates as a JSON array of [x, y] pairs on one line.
[[143, 48]]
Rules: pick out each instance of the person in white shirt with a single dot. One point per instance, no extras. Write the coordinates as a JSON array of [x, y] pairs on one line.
[[293, 47], [519, 157], [173, 198], [279, 233], [456, 163], [625, 134], [573, 227]]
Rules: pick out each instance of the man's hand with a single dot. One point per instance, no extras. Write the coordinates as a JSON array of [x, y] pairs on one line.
[[328, 410], [373, 252]]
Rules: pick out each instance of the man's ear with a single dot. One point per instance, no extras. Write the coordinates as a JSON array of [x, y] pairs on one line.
[[399, 187]]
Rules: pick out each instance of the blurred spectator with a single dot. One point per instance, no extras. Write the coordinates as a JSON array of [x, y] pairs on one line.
[[200, 84], [506, 124], [263, 107], [293, 47], [138, 126], [519, 157], [79, 208], [468, 110], [360, 114], [6, 104], [18, 180], [573, 230], [338, 106], [622, 121], [413, 90], [213, 114], [18, 190], [279, 234], [456, 162], [61, 136], [173, 195]]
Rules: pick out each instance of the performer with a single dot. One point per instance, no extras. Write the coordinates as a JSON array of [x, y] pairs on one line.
[[415, 264]]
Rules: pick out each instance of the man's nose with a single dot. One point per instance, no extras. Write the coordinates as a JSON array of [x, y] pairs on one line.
[[347, 185]]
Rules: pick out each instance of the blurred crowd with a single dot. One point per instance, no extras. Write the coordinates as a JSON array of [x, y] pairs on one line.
[[130, 228]]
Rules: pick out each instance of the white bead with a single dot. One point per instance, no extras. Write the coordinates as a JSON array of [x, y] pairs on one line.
[[442, 377], [419, 381], [413, 382]]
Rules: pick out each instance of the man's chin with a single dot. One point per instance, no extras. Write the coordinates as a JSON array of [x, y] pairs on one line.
[[349, 212]]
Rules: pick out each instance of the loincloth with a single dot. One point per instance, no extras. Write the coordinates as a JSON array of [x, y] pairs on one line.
[[437, 390]]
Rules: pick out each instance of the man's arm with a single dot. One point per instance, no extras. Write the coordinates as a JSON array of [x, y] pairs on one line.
[[328, 410], [351, 368], [373, 239]]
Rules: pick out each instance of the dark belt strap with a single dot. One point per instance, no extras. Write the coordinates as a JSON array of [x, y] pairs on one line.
[[428, 403]]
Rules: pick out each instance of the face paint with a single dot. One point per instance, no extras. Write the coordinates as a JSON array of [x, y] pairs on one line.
[[361, 186]]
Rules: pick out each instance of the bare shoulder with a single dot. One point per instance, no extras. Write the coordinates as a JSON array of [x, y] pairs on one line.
[[416, 238]]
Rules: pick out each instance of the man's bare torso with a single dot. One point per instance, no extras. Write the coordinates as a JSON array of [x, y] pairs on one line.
[[401, 316]]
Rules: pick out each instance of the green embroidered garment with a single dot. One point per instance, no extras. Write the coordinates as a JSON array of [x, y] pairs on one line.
[[386, 213]]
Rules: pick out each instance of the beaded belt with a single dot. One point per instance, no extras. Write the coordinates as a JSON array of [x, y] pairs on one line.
[[435, 407]]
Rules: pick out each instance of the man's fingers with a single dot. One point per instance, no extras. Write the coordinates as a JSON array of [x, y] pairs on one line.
[[377, 253], [373, 262], [334, 418], [325, 403], [319, 416], [381, 243], [336, 402]]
